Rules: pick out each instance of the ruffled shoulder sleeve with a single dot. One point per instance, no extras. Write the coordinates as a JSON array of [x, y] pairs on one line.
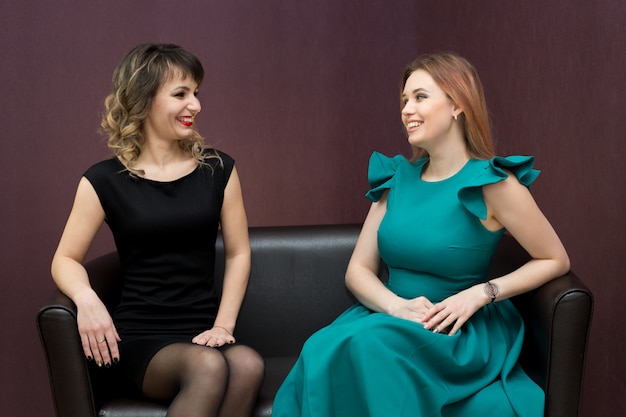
[[493, 171], [380, 174]]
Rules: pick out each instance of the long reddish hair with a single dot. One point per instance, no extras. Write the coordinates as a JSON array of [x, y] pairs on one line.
[[459, 80]]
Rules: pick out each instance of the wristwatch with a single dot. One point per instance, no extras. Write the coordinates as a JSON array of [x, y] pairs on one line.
[[491, 290]]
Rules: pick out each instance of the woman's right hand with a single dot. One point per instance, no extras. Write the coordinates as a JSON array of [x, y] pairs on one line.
[[413, 309], [95, 326], [97, 332]]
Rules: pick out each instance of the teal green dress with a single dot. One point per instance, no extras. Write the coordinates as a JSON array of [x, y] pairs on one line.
[[369, 364]]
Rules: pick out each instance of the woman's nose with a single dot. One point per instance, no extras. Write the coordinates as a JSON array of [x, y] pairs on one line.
[[195, 105]]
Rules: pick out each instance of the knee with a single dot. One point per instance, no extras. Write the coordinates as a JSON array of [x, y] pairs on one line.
[[246, 363], [208, 364], [252, 364], [255, 365]]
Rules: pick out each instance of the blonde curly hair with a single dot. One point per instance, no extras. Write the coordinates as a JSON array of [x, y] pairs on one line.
[[135, 82]]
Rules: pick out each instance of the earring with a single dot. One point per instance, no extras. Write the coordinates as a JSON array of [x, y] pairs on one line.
[[455, 117]]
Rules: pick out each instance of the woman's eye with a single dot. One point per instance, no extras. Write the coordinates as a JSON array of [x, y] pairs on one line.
[[420, 97]]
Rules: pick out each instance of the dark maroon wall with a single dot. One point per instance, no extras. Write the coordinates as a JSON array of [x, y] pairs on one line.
[[300, 93]]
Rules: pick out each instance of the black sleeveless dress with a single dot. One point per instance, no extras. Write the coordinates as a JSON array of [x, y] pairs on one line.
[[165, 235]]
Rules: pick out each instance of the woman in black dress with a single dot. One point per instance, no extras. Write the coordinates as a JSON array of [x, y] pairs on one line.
[[164, 196]]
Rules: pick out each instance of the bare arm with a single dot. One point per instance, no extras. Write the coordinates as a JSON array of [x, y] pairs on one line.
[[237, 265], [362, 279], [510, 205], [94, 322]]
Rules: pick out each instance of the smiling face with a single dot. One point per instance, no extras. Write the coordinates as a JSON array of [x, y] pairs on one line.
[[428, 113], [173, 109]]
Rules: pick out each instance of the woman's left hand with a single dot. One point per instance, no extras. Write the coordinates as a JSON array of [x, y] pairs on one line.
[[450, 314], [215, 337]]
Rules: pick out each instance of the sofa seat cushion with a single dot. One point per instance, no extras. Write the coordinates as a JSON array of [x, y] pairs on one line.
[[121, 407]]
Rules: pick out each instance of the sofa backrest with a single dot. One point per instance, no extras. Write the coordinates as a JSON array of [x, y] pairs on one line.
[[296, 284]]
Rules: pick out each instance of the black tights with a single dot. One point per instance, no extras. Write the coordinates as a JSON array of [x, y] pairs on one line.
[[203, 381]]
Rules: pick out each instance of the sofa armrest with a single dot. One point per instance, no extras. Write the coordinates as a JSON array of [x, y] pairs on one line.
[[558, 318], [67, 367]]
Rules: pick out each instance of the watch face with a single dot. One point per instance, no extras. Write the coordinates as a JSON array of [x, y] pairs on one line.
[[491, 290]]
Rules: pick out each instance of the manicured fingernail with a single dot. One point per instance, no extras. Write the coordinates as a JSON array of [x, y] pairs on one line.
[[99, 364], [115, 360], [89, 358]]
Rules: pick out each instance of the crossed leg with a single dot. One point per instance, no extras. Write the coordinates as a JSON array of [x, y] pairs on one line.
[[204, 381]]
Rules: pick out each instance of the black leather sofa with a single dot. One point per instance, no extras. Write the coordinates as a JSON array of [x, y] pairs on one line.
[[296, 287]]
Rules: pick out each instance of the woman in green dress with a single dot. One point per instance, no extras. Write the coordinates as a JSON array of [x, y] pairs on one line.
[[437, 339]]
